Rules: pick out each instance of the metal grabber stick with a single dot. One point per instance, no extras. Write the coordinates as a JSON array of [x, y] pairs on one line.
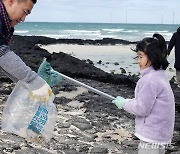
[[88, 87], [53, 77]]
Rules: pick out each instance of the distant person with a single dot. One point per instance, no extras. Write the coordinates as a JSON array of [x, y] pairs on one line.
[[13, 12], [175, 42], [153, 105]]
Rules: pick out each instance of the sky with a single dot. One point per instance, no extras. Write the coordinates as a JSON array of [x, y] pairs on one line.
[[107, 11]]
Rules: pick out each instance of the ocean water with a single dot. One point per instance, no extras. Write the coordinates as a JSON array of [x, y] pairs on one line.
[[131, 32]]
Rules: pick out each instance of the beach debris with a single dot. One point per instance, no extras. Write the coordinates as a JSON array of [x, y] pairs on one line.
[[39, 118], [123, 71], [90, 61], [112, 71], [171, 69], [99, 62], [116, 63], [173, 79]]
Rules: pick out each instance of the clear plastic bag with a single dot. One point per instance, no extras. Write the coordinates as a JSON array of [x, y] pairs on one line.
[[31, 119]]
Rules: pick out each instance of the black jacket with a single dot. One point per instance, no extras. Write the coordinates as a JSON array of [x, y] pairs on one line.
[[2, 39], [175, 42]]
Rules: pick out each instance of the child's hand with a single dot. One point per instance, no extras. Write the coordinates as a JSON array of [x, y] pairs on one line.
[[119, 102]]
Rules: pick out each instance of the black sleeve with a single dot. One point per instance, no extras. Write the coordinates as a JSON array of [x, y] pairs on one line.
[[171, 43], [3, 40]]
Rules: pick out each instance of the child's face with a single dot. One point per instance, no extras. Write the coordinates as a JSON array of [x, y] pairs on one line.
[[143, 60]]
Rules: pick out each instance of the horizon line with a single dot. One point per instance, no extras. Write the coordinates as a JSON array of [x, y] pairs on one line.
[[99, 22]]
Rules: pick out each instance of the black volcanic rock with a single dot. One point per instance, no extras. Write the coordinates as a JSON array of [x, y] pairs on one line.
[[27, 48], [47, 40]]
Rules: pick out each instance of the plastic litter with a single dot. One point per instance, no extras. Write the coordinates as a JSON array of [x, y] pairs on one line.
[[31, 119]]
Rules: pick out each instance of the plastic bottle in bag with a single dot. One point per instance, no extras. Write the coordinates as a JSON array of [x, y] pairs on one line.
[[31, 119]]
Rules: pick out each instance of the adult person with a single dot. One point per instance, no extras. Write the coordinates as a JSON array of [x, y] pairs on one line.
[[175, 42], [12, 12]]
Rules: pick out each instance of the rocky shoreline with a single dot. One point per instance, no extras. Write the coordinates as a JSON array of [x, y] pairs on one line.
[[87, 122]]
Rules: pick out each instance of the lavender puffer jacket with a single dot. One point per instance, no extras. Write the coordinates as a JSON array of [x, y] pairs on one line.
[[153, 106]]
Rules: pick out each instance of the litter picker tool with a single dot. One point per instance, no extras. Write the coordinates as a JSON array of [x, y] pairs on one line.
[[53, 78]]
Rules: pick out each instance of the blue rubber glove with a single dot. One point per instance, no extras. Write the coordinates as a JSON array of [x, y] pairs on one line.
[[119, 102]]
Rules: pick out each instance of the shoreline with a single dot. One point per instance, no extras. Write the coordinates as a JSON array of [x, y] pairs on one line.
[[109, 58], [69, 48]]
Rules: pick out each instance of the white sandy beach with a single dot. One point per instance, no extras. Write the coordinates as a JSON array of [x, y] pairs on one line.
[[122, 55]]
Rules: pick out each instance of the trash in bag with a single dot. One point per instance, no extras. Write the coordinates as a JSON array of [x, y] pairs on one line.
[[51, 76], [31, 119]]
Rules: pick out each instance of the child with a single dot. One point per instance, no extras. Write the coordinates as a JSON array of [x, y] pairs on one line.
[[153, 105]]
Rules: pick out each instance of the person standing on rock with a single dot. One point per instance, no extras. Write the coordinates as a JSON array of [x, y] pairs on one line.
[[12, 12], [153, 105], [175, 42]]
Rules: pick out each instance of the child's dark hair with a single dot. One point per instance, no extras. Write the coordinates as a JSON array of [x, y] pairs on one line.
[[156, 50]]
